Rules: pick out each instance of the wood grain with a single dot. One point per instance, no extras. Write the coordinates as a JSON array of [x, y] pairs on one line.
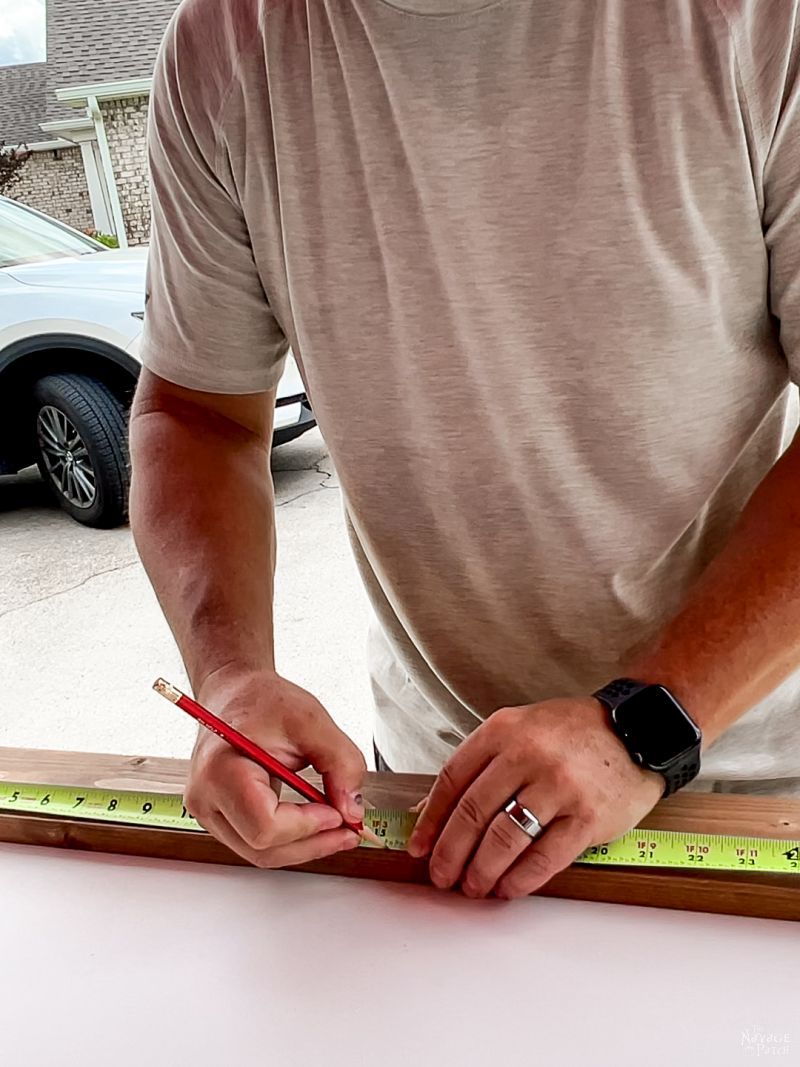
[[735, 893]]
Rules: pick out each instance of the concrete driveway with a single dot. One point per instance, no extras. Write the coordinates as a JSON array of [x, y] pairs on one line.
[[82, 637]]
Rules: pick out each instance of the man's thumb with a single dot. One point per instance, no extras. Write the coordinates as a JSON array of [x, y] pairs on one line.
[[342, 767]]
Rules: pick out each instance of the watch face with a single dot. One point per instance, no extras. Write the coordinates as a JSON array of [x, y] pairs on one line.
[[656, 726]]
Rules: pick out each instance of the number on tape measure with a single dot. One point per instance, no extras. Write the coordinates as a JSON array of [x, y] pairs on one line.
[[393, 827]]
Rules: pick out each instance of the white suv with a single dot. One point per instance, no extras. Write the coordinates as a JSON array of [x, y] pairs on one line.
[[70, 318]]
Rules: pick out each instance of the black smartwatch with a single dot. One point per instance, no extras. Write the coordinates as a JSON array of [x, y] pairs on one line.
[[656, 729]]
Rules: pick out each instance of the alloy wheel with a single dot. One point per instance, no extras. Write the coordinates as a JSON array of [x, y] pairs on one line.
[[66, 457]]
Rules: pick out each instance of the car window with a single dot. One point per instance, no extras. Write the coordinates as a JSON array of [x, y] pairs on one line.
[[26, 237]]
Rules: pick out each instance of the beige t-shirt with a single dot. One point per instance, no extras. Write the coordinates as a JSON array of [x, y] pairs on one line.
[[539, 263]]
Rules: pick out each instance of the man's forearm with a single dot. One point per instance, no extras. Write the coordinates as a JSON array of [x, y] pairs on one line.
[[203, 520], [738, 634]]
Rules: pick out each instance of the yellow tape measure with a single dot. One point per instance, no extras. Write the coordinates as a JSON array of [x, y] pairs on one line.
[[637, 848]]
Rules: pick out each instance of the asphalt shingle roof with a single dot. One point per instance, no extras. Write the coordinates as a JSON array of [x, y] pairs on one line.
[[101, 40], [87, 41], [22, 103]]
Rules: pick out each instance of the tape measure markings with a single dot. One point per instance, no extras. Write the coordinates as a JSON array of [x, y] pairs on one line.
[[637, 848], [672, 848], [164, 810]]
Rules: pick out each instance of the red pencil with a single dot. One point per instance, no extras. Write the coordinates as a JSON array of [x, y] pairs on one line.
[[254, 752]]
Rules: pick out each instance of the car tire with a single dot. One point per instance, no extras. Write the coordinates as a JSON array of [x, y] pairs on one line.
[[81, 435]]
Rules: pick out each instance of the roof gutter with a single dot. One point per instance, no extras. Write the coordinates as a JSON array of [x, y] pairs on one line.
[[69, 128], [78, 95], [108, 169], [49, 146]]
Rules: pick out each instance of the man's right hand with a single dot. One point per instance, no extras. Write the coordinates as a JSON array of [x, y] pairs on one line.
[[203, 516], [235, 799]]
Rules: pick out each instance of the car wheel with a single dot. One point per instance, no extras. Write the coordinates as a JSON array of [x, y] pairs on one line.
[[81, 438]]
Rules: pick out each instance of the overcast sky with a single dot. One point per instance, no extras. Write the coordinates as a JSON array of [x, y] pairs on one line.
[[21, 31]]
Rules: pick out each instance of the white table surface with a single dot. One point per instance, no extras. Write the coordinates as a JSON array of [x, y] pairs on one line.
[[112, 961]]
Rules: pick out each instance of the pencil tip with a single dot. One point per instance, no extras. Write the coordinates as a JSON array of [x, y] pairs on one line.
[[372, 837]]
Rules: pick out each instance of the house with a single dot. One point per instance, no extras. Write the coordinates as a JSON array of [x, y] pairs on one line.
[[83, 111]]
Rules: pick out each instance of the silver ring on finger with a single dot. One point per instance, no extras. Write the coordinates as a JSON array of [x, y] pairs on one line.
[[524, 819]]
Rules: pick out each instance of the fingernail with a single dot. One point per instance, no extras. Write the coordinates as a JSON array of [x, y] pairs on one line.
[[354, 843], [355, 807], [438, 878], [416, 846]]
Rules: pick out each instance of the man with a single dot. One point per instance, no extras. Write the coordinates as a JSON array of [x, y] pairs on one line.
[[539, 263]]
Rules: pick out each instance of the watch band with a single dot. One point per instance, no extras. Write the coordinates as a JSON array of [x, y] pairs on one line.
[[683, 773], [616, 693], [618, 690]]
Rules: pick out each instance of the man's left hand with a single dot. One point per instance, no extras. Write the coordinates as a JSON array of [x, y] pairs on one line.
[[562, 761]]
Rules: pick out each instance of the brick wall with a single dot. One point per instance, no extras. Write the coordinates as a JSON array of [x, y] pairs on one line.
[[56, 186], [126, 126]]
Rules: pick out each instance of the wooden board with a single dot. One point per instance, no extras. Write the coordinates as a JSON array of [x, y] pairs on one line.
[[736, 893]]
